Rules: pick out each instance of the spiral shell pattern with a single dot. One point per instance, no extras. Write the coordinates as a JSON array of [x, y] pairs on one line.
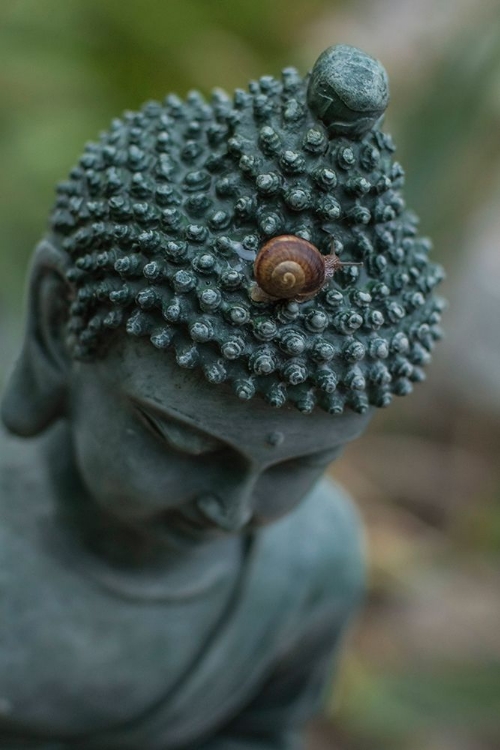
[[288, 267]]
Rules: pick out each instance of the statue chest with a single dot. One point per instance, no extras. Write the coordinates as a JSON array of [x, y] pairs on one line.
[[77, 657]]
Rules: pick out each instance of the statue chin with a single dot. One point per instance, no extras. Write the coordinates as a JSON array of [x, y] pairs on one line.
[[227, 293]]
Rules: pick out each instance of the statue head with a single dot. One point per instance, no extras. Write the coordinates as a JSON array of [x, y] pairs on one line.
[[257, 247]]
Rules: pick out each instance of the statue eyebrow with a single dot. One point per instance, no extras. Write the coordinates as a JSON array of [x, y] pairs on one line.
[[188, 438], [184, 437]]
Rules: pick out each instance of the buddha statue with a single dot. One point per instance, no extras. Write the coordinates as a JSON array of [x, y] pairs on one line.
[[226, 293]]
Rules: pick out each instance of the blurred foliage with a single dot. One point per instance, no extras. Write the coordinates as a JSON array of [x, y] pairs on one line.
[[448, 132], [67, 68], [423, 672]]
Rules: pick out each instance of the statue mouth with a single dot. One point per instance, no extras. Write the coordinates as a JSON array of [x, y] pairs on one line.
[[192, 523], [188, 522]]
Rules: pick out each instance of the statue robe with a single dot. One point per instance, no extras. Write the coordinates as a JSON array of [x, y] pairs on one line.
[[261, 672]]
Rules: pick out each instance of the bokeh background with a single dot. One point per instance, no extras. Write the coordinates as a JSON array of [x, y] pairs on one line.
[[422, 671]]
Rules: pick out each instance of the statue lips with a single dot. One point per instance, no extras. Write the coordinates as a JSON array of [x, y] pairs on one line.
[[209, 518], [189, 523]]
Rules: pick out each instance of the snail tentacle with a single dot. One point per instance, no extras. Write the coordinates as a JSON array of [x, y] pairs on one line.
[[333, 263]]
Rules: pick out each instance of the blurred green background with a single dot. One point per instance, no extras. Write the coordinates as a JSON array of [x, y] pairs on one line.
[[422, 671]]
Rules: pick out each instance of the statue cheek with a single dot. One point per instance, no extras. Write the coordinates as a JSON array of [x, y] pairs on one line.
[[147, 492]]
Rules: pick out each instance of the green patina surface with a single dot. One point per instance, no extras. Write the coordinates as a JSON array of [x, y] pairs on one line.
[[191, 578]]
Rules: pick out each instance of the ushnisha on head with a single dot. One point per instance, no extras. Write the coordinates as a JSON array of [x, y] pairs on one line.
[[174, 220]]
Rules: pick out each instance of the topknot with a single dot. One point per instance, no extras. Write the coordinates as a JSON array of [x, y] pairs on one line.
[[348, 90], [163, 218]]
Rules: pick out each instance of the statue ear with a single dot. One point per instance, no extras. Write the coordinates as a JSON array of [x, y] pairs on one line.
[[35, 395]]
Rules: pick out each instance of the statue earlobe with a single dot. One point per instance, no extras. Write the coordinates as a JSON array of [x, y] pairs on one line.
[[36, 392]]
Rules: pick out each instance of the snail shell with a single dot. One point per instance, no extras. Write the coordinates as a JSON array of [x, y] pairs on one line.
[[288, 267]]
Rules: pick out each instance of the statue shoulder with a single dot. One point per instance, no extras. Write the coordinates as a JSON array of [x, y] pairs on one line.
[[330, 548], [322, 552], [340, 538]]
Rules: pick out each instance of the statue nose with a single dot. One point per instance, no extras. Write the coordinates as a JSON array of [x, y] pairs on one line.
[[231, 507]]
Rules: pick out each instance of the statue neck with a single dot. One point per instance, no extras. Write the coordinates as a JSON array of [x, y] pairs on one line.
[[125, 550]]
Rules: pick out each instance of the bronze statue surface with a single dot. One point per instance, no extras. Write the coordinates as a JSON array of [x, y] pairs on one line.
[[226, 292]]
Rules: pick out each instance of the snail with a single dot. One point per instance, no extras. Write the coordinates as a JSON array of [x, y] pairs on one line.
[[289, 267]]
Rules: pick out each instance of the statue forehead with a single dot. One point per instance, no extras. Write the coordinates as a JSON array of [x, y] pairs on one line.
[[154, 378]]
